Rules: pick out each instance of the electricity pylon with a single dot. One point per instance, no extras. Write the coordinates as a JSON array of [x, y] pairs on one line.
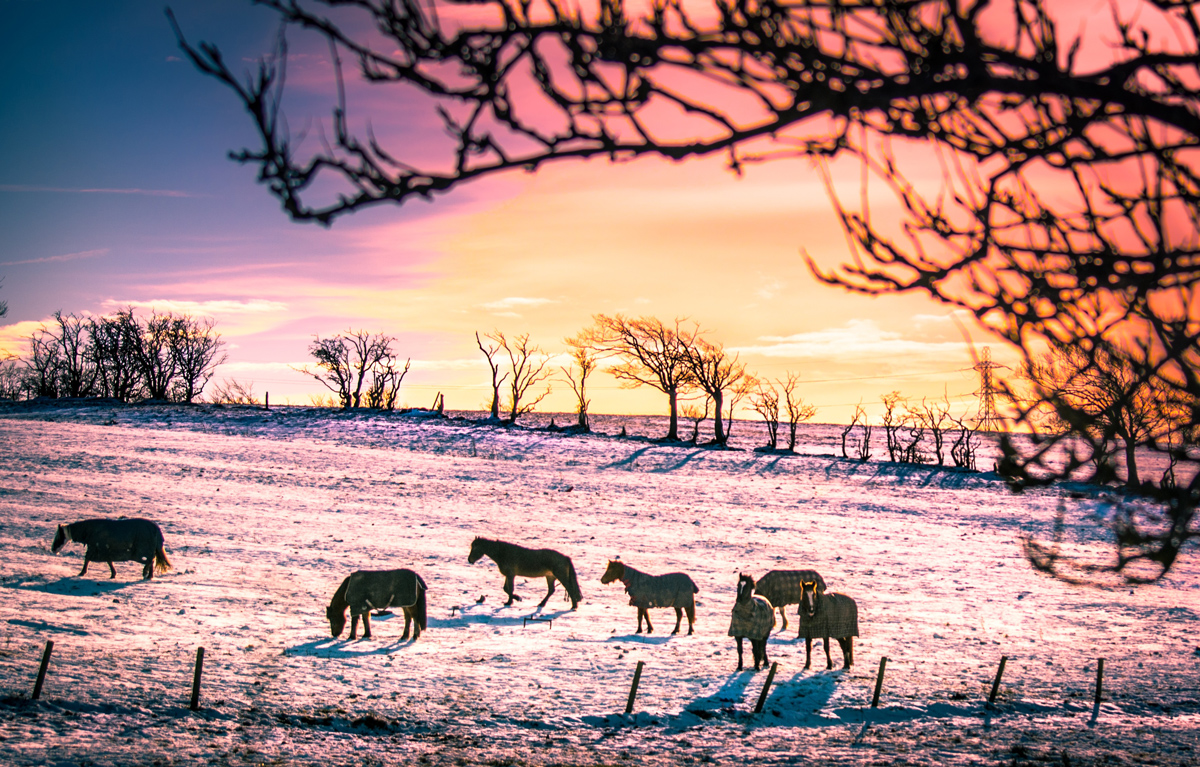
[[987, 419]]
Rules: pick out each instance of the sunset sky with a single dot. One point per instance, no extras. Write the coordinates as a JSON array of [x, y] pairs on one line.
[[115, 191]]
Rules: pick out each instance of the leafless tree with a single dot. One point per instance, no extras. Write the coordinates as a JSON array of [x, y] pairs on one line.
[[1069, 208], [345, 361], [76, 364], [697, 416], [114, 342], [650, 353], [386, 377], [491, 351], [12, 383], [715, 373], [197, 350], [765, 402], [1111, 390], [585, 361], [962, 451], [798, 411], [43, 364], [527, 369], [743, 388], [893, 420], [933, 418], [231, 391], [157, 365]]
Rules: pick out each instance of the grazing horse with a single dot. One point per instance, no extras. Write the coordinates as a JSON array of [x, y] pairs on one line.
[[514, 560], [645, 591], [753, 619], [368, 590], [116, 540], [827, 615]]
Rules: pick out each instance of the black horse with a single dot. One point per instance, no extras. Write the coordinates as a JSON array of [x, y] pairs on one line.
[[368, 590], [514, 560], [116, 540]]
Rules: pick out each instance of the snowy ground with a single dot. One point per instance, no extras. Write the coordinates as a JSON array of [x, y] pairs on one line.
[[265, 512]]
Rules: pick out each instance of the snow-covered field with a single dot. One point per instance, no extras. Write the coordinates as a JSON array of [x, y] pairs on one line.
[[265, 512]]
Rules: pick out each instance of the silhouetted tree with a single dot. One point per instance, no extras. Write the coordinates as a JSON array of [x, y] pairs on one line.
[[114, 343], [491, 351], [197, 350], [765, 402], [231, 391], [345, 361], [1068, 211], [527, 370], [386, 377], [714, 372], [650, 353], [797, 410], [585, 362]]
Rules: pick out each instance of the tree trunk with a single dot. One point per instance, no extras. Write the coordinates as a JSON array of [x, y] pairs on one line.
[[718, 422], [1131, 464], [673, 429]]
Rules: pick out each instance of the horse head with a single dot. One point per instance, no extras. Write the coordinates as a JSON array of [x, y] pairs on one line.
[[476, 551], [337, 619], [810, 596], [745, 587], [615, 571], [60, 539]]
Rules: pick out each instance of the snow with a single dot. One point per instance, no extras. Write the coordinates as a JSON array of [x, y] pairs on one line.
[[264, 513]]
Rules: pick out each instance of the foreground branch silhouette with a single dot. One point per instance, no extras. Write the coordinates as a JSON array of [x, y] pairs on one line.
[[1067, 211]]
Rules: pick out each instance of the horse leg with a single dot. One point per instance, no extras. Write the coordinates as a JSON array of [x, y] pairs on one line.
[[783, 614], [649, 628], [766, 660], [509, 583], [113, 569], [148, 570], [353, 624], [807, 652], [847, 652], [367, 623], [691, 614], [828, 660], [549, 591], [407, 622], [641, 612], [739, 640], [678, 619], [85, 564]]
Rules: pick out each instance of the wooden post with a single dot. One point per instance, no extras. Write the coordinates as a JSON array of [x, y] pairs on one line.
[[996, 683], [1099, 679], [879, 682], [267, 401], [762, 698], [41, 676], [196, 679], [637, 676]]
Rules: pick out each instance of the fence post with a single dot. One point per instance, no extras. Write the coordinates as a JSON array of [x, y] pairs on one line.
[[879, 682], [762, 698], [196, 679], [637, 676], [1099, 679], [996, 683], [41, 675]]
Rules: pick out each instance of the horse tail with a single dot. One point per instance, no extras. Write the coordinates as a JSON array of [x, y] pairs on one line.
[[418, 610], [161, 563], [573, 582]]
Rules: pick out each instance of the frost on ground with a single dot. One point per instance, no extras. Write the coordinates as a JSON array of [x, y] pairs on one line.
[[265, 512]]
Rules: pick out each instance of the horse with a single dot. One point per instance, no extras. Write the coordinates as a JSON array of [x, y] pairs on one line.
[[514, 560], [785, 587], [827, 615], [367, 590], [645, 591], [753, 619], [116, 540]]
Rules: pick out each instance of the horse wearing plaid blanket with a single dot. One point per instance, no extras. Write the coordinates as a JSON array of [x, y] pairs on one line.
[[753, 619], [645, 591], [785, 587], [827, 615]]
